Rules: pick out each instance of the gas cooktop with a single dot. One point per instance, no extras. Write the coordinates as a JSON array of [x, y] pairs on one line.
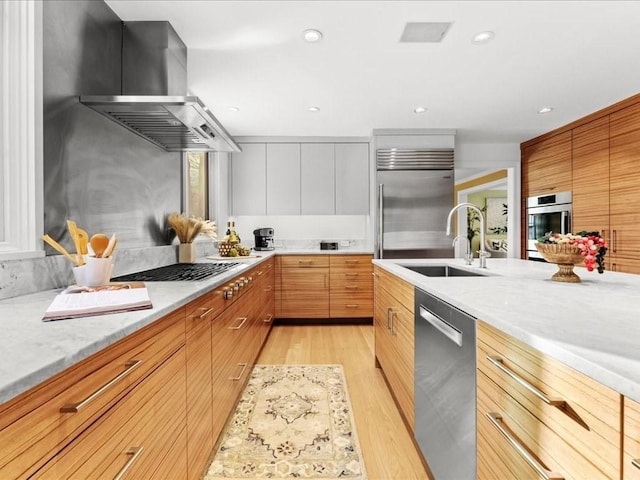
[[177, 272]]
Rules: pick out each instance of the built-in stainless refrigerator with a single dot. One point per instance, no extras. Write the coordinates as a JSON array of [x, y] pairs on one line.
[[415, 195]]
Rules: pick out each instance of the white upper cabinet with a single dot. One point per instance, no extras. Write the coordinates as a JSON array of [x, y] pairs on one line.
[[352, 178], [300, 179], [248, 174], [318, 179], [283, 179]]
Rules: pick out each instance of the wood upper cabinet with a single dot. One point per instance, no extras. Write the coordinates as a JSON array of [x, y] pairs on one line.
[[591, 177], [395, 338], [248, 174], [283, 179], [352, 178], [318, 177], [547, 166], [625, 194], [304, 286], [631, 428], [569, 422]]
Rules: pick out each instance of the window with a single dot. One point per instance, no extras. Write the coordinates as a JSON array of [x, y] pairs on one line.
[[21, 129], [196, 183]]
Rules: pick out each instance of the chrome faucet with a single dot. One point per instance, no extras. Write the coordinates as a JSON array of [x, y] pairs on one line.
[[468, 257], [483, 252]]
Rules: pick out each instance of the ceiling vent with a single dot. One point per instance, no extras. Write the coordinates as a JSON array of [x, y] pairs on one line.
[[414, 158], [424, 32]]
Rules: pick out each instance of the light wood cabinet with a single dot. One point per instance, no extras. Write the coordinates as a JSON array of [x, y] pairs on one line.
[[570, 423], [248, 180], [352, 178], [631, 428], [625, 196], [304, 286], [198, 386], [351, 286], [394, 338], [335, 286], [152, 404], [318, 177], [547, 166], [38, 424], [283, 178], [135, 439]]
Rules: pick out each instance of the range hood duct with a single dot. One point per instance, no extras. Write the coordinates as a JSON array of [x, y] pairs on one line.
[[153, 103]]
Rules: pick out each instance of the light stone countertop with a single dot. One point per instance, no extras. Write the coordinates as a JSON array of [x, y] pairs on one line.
[[592, 326], [34, 351]]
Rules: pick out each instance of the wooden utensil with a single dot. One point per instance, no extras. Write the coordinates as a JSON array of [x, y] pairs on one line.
[[59, 248], [73, 232], [113, 241], [84, 241], [99, 243]]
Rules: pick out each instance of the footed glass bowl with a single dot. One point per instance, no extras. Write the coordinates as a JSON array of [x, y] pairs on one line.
[[563, 255]]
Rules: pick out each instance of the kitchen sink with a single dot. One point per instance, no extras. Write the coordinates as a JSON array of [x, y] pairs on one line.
[[442, 271]]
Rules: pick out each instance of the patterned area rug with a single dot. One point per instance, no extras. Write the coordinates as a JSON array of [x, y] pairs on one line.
[[292, 421]]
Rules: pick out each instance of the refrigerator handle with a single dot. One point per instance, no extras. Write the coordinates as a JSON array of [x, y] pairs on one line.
[[380, 219]]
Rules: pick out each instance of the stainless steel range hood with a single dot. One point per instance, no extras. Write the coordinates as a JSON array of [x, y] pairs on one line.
[[153, 103]]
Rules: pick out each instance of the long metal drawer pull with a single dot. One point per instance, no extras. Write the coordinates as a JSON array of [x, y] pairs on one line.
[[135, 452], [130, 365], [351, 262], [268, 319], [496, 420], [352, 305], [389, 310], [351, 287], [498, 362], [244, 367], [268, 289], [207, 311], [239, 326], [636, 462], [448, 330], [393, 314], [349, 274], [305, 262]]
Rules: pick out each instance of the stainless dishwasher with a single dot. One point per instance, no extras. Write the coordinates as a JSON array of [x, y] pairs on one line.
[[445, 387]]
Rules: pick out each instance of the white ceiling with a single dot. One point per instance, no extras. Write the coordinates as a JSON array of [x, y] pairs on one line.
[[577, 56]]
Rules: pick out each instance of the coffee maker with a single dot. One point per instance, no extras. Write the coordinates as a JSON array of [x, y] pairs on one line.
[[263, 239]]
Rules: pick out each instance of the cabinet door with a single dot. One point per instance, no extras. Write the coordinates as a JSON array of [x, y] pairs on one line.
[[631, 429], [199, 393], [547, 166], [305, 293], [352, 178], [283, 179], [624, 180], [591, 177], [248, 184], [318, 179]]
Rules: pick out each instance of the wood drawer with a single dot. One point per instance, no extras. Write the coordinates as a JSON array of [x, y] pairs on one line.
[[32, 426], [401, 290], [588, 422], [547, 444], [351, 263], [304, 261], [351, 307], [631, 428], [150, 419]]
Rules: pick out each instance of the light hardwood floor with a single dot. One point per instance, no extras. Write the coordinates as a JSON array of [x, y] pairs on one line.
[[387, 448]]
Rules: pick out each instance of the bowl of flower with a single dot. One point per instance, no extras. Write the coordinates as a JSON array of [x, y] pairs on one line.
[[567, 250]]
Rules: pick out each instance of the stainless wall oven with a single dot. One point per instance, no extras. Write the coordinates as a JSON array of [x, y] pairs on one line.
[[547, 213]]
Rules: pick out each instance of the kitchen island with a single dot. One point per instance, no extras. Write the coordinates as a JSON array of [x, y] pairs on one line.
[[592, 326]]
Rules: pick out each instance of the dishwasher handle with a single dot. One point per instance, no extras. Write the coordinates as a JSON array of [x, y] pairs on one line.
[[444, 327]]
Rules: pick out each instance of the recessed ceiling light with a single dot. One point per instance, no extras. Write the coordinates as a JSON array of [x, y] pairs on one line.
[[545, 110], [483, 37], [233, 109], [419, 110], [314, 109], [312, 36]]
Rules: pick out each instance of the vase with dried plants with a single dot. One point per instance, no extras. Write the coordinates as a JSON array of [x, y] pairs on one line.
[[187, 228]]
